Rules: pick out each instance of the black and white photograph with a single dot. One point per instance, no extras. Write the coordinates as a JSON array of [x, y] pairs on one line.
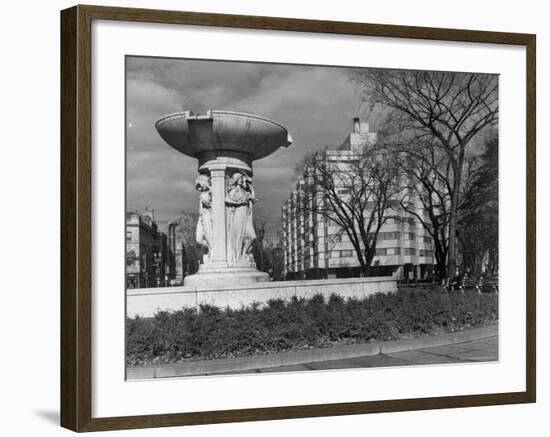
[[275, 218], [288, 218]]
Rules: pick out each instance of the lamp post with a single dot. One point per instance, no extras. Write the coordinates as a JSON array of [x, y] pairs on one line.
[[261, 235], [156, 263]]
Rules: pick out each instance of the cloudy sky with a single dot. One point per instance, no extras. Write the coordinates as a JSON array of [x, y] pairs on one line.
[[315, 104]]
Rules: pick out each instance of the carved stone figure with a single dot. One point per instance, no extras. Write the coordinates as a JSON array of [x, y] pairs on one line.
[[204, 224], [225, 145], [240, 227]]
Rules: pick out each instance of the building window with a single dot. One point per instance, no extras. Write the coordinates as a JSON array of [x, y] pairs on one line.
[[409, 236], [343, 191], [410, 251], [128, 235], [426, 252], [393, 251], [388, 235], [131, 258], [335, 254], [381, 252], [371, 204], [346, 253]]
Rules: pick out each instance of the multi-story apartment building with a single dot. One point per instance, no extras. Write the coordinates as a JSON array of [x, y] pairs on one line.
[[147, 252], [315, 247]]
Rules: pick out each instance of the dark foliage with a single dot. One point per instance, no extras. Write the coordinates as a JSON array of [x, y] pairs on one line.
[[211, 332], [478, 230]]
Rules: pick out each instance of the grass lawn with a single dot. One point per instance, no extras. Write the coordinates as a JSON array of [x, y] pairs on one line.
[[211, 332]]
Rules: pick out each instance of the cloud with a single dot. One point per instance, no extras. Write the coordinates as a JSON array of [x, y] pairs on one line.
[[316, 105]]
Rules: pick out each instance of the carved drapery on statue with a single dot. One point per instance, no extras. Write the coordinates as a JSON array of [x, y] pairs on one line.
[[239, 221], [204, 224], [225, 144]]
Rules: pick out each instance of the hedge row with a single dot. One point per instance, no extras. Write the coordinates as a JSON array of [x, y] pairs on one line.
[[211, 332]]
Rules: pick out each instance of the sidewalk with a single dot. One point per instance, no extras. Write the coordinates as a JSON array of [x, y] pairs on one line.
[[474, 345], [485, 349]]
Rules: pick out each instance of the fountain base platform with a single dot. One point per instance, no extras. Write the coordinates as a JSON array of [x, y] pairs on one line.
[[146, 302], [211, 276]]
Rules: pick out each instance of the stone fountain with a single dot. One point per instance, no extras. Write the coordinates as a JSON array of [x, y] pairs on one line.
[[225, 143]]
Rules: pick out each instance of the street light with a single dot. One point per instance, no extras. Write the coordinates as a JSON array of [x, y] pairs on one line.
[[156, 258], [261, 235]]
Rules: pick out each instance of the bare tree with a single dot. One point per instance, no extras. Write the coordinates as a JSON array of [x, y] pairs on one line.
[[427, 196], [258, 251], [354, 191], [450, 109], [190, 252]]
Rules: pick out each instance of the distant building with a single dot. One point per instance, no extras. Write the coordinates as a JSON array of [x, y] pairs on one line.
[[278, 263], [147, 252], [315, 247], [268, 254], [186, 253]]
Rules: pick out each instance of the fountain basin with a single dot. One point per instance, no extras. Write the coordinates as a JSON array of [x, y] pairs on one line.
[[223, 133]]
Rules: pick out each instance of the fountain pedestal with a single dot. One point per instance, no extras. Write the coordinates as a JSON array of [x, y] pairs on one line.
[[218, 267], [225, 144]]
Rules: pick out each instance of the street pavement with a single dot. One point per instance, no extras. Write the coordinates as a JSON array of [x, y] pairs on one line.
[[485, 349]]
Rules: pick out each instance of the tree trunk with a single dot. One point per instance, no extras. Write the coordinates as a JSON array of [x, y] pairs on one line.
[[367, 266], [451, 255], [440, 257], [478, 263], [440, 260], [451, 265], [442, 270]]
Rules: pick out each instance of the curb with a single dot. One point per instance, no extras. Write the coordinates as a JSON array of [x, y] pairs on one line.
[[209, 367]]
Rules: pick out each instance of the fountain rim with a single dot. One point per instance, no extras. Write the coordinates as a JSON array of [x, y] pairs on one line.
[[190, 115]]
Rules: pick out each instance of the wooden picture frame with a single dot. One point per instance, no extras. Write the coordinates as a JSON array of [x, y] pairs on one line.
[[76, 217]]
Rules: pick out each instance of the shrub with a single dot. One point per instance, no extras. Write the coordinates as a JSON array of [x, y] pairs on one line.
[[210, 332]]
